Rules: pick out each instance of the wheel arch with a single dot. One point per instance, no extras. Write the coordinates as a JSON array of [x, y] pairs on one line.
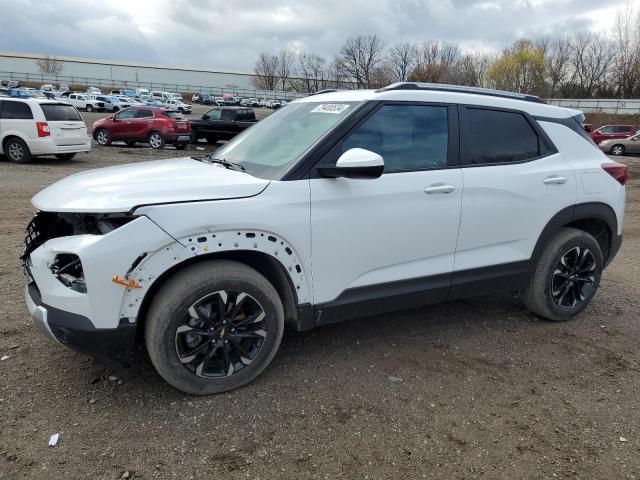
[[265, 252], [12, 134], [596, 218]]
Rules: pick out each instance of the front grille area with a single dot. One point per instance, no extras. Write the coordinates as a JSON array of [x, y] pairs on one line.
[[42, 227]]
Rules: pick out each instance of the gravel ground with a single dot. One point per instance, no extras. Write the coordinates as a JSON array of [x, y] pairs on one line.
[[470, 389]]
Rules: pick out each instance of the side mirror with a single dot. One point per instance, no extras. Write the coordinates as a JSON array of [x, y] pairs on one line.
[[355, 163], [205, 117]]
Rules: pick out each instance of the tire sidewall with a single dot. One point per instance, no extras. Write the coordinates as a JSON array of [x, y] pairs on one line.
[[106, 132], [582, 240], [162, 140], [26, 153], [161, 327]]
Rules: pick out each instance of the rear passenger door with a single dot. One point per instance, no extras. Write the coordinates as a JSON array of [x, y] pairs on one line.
[[514, 182], [141, 123]]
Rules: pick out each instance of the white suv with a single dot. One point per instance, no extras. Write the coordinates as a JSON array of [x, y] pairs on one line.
[[31, 127], [343, 204]]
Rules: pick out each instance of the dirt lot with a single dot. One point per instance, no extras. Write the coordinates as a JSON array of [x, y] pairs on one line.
[[472, 389]]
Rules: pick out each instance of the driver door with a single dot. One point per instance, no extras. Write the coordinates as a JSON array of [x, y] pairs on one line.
[[122, 124], [389, 243]]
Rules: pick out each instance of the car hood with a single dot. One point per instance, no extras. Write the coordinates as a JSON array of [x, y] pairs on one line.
[[121, 188]]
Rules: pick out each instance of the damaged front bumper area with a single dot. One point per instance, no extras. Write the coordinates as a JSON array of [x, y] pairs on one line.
[[70, 261]]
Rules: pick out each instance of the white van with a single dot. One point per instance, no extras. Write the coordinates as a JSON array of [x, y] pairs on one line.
[[143, 93], [38, 126], [162, 96]]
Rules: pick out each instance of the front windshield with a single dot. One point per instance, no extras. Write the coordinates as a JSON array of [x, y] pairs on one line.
[[270, 147]]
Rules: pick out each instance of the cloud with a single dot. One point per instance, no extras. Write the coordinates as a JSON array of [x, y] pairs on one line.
[[219, 34]]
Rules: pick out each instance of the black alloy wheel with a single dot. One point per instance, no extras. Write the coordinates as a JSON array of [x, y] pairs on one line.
[[573, 277]]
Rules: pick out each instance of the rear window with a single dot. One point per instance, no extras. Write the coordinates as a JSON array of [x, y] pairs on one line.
[[15, 111], [173, 114], [54, 112]]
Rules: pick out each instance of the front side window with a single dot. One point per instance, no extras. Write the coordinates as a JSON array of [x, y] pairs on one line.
[[126, 114], [16, 111], [495, 136], [606, 130], [214, 114], [407, 137]]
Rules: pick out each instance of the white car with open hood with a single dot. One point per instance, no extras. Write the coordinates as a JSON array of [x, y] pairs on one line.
[[340, 205]]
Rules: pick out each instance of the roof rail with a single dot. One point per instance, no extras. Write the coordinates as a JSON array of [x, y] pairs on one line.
[[443, 87], [326, 90]]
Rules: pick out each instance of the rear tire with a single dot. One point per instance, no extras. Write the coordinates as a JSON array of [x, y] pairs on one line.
[[617, 150], [17, 151], [156, 140], [567, 276], [65, 156], [180, 146], [199, 341]]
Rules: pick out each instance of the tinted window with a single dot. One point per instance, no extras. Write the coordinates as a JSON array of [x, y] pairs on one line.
[[607, 130], [143, 113], [621, 129], [407, 137], [16, 111], [495, 137], [228, 115], [125, 114], [55, 112]]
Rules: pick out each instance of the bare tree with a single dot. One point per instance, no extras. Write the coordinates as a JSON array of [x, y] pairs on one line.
[[401, 60], [286, 60], [50, 66], [557, 64], [266, 72], [470, 70], [312, 72], [435, 62], [591, 56], [359, 57], [626, 64]]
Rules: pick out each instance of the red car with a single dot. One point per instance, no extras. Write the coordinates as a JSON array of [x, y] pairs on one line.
[[152, 125], [608, 132]]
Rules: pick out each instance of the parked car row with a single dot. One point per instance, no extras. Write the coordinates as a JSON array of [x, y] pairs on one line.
[[230, 101], [222, 123]]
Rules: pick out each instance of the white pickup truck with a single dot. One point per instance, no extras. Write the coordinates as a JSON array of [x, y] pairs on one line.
[[84, 102]]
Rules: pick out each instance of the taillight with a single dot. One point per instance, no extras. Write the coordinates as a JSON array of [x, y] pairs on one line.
[[43, 129], [618, 171]]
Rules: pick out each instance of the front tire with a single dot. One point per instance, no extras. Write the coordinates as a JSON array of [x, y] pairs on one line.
[[89, 108], [103, 137], [180, 146], [214, 327], [567, 276], [17, 151], [156, 140], [617, 150]]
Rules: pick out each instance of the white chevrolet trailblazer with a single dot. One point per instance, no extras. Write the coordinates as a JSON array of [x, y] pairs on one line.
[[341, 204]]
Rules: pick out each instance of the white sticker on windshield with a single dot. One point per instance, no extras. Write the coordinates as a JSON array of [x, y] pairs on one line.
[[337, 108]]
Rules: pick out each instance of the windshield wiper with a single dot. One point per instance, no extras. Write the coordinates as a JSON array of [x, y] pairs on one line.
[[222, 161]]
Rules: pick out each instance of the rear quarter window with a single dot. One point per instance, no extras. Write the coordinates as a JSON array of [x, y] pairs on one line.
[[55, 112], [175, 115], [15, 110]]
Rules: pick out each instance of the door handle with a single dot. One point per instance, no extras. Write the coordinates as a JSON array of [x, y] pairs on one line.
[[554, 180], [439, 189]]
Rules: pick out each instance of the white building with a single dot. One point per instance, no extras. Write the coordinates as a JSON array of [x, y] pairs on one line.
[[103, 73]]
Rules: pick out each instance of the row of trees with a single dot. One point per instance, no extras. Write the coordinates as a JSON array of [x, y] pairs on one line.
[[580, 65]]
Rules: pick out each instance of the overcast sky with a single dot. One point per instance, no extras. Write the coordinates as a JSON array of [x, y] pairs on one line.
[[224, 34]]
